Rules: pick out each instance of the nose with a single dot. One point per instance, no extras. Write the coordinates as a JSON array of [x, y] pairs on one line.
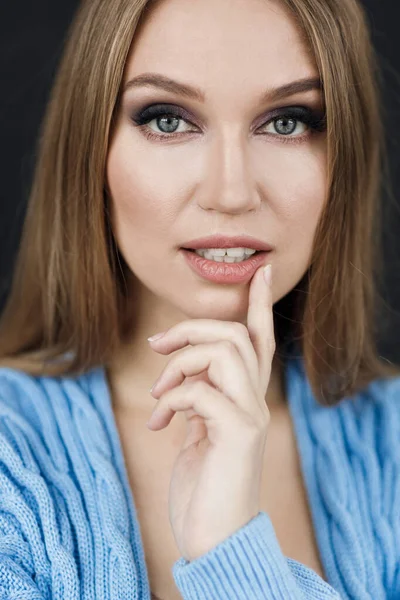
[[230, 185]]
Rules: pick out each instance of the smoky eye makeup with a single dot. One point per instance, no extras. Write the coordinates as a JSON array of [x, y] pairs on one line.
[[149, 112], [313, 118]]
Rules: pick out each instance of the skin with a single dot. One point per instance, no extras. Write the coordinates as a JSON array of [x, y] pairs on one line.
[[217, 175]]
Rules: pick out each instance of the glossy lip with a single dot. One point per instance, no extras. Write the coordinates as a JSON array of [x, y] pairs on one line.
[[219, 272], [224, 241]]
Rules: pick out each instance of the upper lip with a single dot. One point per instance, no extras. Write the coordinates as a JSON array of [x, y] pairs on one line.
[[225, 241]]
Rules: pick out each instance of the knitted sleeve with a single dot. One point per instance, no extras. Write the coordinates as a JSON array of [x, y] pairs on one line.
[[359, 446], [249, 564]]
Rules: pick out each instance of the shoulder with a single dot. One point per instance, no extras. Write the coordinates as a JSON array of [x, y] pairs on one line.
[[366, 424], [40, 409], [369, 419], [43, 407], [53, 425], [363, 431], [373, 419]]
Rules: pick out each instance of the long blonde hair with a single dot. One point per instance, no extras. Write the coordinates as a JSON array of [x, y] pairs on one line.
[[69, 295]]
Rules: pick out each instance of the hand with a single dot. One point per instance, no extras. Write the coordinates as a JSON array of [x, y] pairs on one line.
[[216, 479]]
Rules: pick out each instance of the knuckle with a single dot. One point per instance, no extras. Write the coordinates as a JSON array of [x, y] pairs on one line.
[[240, 329], [199, 386], [228, 346]]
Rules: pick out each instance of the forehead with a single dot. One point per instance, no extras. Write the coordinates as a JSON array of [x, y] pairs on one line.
[[242, 44]]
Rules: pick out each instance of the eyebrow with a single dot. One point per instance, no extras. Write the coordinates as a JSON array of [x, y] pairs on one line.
[[176, 87]]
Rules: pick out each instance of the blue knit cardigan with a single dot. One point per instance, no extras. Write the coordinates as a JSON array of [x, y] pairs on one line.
[[69, 527]]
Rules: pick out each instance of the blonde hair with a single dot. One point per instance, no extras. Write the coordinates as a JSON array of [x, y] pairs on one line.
[[69, 294]]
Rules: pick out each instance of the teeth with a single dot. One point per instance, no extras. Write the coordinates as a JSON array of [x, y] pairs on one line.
[[228, 255]]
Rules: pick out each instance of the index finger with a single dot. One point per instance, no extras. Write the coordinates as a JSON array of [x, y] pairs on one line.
[[260, 323]]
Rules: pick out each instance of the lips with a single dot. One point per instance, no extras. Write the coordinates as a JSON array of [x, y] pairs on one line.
[[221, 272]]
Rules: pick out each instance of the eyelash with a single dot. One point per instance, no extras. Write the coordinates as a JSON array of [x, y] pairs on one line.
[[313, 119]]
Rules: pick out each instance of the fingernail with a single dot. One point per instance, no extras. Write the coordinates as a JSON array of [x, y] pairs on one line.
[[155, 337], [268, 274]]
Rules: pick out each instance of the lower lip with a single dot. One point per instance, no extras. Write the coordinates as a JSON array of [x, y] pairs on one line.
[[220, 272]]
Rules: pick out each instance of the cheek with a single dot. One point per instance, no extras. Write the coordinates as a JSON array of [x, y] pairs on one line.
[[302, 196], [297, 205], [129, 184], [140, 205]]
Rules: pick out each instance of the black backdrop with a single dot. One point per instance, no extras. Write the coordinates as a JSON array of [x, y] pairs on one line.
[[31, 41]]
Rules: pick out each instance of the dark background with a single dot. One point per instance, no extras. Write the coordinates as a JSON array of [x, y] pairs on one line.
[[31, 42]]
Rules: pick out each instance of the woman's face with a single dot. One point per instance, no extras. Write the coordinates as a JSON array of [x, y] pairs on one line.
[[222, 164]]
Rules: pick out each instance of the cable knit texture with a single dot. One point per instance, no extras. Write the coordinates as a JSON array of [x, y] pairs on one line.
[[69, 527]]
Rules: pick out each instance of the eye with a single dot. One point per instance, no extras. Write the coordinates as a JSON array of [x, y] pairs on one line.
[[171, 121], [168, 123], [288, 120], [286, 125], [168, 120]]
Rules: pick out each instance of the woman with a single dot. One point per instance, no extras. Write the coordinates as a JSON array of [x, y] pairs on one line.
[[269, 467]]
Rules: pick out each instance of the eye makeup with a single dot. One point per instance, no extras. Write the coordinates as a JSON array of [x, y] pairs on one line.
[[315, 119], [151, 112]]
